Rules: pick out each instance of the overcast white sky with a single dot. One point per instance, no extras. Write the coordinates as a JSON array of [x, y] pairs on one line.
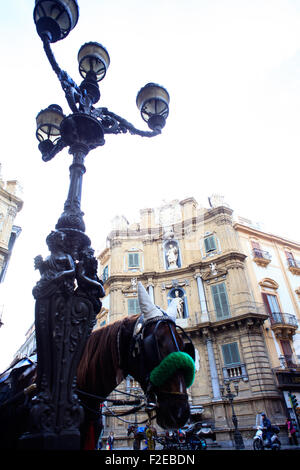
[[232, 69]]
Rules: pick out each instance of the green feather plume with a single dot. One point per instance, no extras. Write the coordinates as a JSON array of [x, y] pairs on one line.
[[170, 364]]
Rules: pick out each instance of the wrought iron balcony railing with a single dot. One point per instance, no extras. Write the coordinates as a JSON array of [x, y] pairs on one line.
[[236, 310], [293, 263], [288, 361], [257, 253], [261, 257], [280, 318]]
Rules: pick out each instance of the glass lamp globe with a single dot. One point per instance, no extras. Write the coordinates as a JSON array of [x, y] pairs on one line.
[[55, 18], [153, 102]]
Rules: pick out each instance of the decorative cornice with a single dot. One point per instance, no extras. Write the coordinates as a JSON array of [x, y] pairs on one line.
[[179, 228], [11, 198], [249, 320], [225, 261], [267, 236]]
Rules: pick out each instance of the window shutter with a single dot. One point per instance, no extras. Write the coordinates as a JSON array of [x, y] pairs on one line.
[[231, 353], [286, 347], [266, 303], [133, 260], [226, 354], [220, 300], [105, 274], [210, 244], [273, 302], [133, 306]]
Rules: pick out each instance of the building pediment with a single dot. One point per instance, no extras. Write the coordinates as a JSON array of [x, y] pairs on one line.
[[269, 283], [214, 273], [130, 290]]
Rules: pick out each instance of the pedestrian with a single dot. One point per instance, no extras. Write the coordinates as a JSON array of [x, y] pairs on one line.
[[110, 441], [150, 434], [291, 432], [267, 427], [99, 443]]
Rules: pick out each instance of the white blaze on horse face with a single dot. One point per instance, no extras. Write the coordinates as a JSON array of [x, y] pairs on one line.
[[148, 308]]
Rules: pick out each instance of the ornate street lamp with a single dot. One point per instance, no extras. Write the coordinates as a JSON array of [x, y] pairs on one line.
[[229, 395], [69, 291]]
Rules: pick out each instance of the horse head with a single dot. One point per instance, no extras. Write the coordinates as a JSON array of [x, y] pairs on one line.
[[162, 361]]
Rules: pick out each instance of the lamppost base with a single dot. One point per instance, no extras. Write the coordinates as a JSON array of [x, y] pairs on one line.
[[238, 441]]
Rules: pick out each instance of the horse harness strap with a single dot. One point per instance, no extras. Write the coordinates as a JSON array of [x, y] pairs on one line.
[[146, 350], [149, 344]]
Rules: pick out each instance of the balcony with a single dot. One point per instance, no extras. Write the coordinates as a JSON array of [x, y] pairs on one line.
[[261, 257], [237, 371], [236, 311], [283, 324], [288, 361], [293, 265]]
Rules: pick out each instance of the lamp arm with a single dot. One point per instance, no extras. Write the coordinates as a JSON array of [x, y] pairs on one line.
[[114, 124], [72, 91], [48, 155]]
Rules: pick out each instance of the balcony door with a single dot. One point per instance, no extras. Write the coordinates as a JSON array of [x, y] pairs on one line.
[[287, 352], [272, 306]]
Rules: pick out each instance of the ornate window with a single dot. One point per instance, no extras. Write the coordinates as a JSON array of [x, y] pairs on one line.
[[260, 257], [281, 322], [288, 355], [210, 244], [293, 264], [233, 367], [133, 260], [231, 354]]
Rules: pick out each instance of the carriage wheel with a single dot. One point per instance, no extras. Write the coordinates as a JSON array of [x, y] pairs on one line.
[[257, 445], [196, 444]]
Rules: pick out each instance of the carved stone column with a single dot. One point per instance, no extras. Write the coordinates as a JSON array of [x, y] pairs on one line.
[[150, 287], [202, 298], [213, 369]]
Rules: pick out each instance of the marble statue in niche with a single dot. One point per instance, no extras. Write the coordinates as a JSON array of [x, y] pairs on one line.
[[172, 256]]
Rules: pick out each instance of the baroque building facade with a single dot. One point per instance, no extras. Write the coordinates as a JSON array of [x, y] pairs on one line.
[[197, 258], [10, 205], [273, 267]]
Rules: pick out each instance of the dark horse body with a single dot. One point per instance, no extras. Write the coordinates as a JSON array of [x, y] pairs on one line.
[[102, 368], [113, 352]]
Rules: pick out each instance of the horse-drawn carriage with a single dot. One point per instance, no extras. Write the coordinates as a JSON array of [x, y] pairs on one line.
[[149, 347]]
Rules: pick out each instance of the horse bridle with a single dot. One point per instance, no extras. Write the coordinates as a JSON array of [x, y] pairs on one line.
[[146, 350]]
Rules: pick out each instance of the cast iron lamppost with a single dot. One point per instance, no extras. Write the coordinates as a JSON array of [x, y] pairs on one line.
[[69, 291], [238, 439]]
